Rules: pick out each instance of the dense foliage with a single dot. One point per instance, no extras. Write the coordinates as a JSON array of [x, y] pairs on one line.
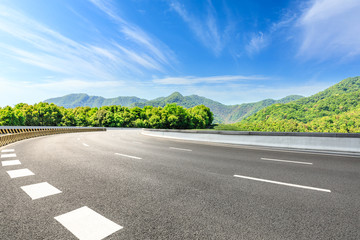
[[337, 109], [222, 113], [45, 114]]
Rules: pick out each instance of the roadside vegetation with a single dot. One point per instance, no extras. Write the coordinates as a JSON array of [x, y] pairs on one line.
[[171, 116], [337, 109]]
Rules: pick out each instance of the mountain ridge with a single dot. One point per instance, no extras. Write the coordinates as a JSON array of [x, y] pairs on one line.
[[222, 113], [335, 109]]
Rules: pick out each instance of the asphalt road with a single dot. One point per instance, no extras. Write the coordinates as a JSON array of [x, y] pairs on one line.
[[157, 188]]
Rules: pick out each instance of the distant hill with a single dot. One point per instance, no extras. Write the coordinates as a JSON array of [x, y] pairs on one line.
[[82, 100], [222, 113], [336, 109]]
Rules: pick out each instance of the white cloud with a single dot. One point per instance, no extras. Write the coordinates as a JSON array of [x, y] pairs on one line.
[[38, 45], [191, 80], [330, 28], [206, 30], [30, 92], [256, 44], [236, 93], [158, 50]]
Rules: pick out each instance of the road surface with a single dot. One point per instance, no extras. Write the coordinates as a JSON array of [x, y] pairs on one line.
[[121, 184]]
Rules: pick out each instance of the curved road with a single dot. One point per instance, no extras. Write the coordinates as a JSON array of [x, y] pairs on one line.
[[121, 184]]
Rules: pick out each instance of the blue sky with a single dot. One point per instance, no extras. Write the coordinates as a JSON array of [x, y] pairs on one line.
[[232, 51]]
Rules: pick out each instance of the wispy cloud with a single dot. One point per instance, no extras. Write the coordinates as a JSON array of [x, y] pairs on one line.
[[256, 44], [330, 28], [207, 29], [31, 92], [238, 93], [261, 40], [48, 49], [191, 80], [131, 31]]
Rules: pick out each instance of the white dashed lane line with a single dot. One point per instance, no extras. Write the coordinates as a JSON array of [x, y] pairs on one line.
[[20, 173], [128, 156], [40, 190], [86, 145], [86, 224], [9, 155], [181, 149], [286, 161], [7, 150], [10, 163], [283, 183]]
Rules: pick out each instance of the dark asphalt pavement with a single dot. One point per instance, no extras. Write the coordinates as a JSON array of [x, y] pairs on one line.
[[159, 188]]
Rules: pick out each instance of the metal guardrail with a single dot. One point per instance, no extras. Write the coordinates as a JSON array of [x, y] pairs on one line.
[[9, 134]]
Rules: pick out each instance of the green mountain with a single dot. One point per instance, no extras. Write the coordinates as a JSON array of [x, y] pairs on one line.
[[336, 109], [82, 100], [222, 113]]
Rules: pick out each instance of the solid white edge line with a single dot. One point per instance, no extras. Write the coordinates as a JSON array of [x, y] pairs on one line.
[[283, 183], [287, 161], [124, 155], [181, 149]]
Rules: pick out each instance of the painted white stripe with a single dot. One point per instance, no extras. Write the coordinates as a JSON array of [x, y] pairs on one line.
[[9, 155], [40, 190], [10, 163], [181, 149], [7, 150], [124, 155], [86, 145], [283, 183], [287, 161], [86, 224], [20, 173]]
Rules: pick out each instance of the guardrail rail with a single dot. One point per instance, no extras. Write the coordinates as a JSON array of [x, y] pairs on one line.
[[10, 134]]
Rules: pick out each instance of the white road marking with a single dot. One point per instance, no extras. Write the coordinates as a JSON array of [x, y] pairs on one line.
[[9, 155], [124, 155], [283, 183], [86, 145], [287, 161], [181, 149], [10, 163], [7, 150], [40, 190], [86, 224], [137, 142], [20, 173]]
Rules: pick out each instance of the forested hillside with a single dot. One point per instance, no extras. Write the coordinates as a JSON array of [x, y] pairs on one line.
[[336, 109], [45, 114], [84, 100], [222, 113]]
